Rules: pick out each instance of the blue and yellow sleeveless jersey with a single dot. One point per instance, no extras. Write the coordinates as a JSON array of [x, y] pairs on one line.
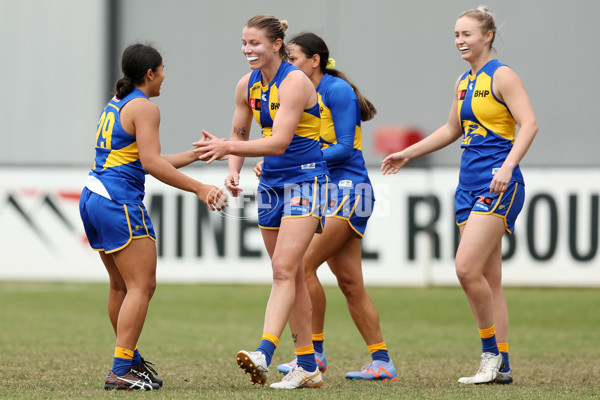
[[489, 129], [117, 164], [341, 135], [302, 160]]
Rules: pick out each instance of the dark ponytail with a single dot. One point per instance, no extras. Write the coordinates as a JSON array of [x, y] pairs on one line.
[[137, 59], [311, 44]]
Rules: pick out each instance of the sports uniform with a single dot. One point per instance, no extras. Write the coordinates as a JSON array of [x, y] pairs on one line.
[[488, 134], [111, 204], [292, 184], [351, 196]]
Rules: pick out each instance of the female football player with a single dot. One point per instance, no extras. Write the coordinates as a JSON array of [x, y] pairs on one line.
[[489, 101]]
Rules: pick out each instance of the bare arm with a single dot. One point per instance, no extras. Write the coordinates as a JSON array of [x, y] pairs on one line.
[[242, 122], [181, 159], [509, 88], [240, 131], [295, 94], [440, 138]]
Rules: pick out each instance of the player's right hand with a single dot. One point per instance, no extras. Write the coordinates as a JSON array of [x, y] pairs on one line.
[[393, 163], [213, 197]]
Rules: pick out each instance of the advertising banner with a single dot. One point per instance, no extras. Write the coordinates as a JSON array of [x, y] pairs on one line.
[[410, 239]]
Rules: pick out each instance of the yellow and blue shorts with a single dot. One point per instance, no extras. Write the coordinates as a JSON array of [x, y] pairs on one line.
[[352, 207], [111, 226], [293, 201], [505, 205]]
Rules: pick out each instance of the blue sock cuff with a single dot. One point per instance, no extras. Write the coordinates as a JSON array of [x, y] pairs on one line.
[[267, 348], [137, 358], [307, 361], [121, 366], [318, 344], [489, 345], [381, 355], [506, 363]]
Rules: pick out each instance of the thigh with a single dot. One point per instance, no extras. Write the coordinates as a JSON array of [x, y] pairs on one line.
[[270, 240], [137, 262], [480, 237], [293, 240], [337, 232], [346, 263]]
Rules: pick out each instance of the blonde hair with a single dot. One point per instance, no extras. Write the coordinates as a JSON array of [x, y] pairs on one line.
[[273, 27], [486, 20]]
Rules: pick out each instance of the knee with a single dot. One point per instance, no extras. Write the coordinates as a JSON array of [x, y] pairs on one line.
[[147, 288], [464, 274], [282, 271], [351, 289], [151, 288], [310, 274], [118, 288]]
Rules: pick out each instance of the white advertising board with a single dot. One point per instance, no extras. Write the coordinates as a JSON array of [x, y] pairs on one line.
[[410, 240]]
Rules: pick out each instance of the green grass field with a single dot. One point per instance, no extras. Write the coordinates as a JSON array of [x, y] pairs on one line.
[[56, 342]]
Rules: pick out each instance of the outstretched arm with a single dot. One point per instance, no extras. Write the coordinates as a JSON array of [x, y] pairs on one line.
[[181, 159]]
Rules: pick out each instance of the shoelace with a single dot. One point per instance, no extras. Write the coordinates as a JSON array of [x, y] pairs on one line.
[[486, 365], [292, 374], [368, 366], [148, 365]]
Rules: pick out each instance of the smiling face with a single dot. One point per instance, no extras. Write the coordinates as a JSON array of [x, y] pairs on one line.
[[470, 40], [158, 77], [258, 49]]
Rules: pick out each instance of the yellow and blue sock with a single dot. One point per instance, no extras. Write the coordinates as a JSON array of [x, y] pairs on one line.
[[137, 358], [379, 352], [122, 361], [488, 340], [503, 347], [267, 346], [317, 339], [306, 358]]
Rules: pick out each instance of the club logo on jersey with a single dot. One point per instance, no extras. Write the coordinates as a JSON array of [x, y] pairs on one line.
[[472, 130], [462, 94], [255, 104]]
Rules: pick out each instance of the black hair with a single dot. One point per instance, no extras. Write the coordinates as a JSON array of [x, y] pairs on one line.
[[137, 59], [312, 44]]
